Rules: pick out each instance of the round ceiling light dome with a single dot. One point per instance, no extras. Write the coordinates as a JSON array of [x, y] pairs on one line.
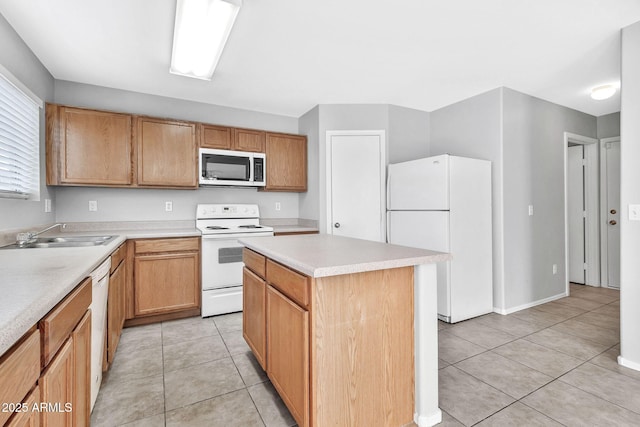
[[603, 92]]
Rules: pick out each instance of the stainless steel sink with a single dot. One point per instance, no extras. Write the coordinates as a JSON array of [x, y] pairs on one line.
[[63, 242]]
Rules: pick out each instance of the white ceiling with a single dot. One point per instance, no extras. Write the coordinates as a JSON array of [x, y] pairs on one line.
[[286, 56]]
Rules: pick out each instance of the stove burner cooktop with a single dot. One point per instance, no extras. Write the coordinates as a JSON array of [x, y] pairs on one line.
[[250, 226], [216, 227]]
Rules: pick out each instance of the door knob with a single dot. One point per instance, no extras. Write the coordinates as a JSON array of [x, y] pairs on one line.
[[613, 222], [613, 211], [336, 225]]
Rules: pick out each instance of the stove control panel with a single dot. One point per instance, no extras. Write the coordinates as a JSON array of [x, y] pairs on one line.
[[213, 211]]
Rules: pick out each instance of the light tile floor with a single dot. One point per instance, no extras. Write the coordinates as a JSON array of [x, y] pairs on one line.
[[554, 364], [189, 372]]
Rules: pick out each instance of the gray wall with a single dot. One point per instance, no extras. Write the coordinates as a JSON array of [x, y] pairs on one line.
[[406, 131], [116, 204], [630, 194], [408, 134], [472, 128], [523, 137], [16, 57], [533, 164], [608, 125], [309, 124]]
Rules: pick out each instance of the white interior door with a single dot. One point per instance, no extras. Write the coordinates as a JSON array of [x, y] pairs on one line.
[[613, 213], [575, 176], [356, 185]]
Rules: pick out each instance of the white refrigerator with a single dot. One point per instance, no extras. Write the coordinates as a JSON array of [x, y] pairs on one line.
[[443, 203]]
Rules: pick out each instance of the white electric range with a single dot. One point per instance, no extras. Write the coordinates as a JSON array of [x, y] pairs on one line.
[[221, 226]]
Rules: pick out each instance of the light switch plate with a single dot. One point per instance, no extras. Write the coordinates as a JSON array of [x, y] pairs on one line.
[[530, 210], [634, 212], [47, 205]]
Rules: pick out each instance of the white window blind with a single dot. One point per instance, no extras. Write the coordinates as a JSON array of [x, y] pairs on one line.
[[19, 143]]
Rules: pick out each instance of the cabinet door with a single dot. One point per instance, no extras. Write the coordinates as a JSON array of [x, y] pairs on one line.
[[95, 147], [288, 353], [254, 303], [165, 283], [286, 162], [248, 140], [57, 388], [116, 310], [166, 153], [29, 418], [81, 338], [216, 137]]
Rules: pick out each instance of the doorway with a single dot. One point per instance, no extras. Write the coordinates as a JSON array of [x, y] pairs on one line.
[[590, 212], [356, 171], [610, 212]]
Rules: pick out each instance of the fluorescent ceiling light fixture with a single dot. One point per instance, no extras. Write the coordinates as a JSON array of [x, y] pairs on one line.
[[603, 92], [201, 30]]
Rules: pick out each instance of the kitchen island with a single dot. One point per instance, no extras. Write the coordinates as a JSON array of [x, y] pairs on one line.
[[346, 329]]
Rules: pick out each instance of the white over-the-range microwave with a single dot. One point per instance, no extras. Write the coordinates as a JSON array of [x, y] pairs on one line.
[[232, 168]]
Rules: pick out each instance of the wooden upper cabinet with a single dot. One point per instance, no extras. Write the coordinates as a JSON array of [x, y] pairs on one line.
[[286, 162], [87, 147], [166, 153], [219, 137], [249, 140]]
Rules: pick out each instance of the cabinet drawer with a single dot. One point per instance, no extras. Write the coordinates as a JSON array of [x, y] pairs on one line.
[[58, 324], [19, 371], [117, 256], [292, 284], [167, 245], [254, 262]]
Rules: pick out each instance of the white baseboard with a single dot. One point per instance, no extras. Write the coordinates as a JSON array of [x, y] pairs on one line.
[[528, 305], [429, 419], [628, 363]]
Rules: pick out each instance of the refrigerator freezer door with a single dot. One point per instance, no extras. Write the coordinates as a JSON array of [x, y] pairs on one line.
[[425, 230], [419, 184]]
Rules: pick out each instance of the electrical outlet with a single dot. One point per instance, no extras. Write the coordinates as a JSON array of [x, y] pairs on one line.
[[634, 212], [93, 205], [47, 205], [530, 210], [168, 206], [277, 206], [554, 269]]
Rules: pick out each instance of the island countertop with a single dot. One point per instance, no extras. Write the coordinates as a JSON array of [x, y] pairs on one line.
[[321, 255]]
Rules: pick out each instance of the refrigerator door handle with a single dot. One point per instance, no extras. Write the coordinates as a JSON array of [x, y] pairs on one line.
[[388, 192], [387, 229]]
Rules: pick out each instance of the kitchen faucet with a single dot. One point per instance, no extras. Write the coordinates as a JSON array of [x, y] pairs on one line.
[[25, 238]]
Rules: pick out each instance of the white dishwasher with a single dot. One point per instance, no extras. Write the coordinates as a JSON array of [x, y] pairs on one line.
[[99, 295]]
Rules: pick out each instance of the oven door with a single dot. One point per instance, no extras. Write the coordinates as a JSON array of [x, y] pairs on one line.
[[222, 260]]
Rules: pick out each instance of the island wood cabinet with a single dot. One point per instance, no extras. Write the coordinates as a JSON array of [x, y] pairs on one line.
[[286, 162], [166, 279], [166, 152], [342, 345], [88, 147]]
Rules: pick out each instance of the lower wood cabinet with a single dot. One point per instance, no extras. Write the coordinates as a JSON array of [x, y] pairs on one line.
[[81, 339], [28, 418], [58, 384], [116, 306], [166, 277], [288, 353], [254, 295]]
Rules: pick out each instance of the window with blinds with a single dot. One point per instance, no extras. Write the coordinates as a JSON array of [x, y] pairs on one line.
[[19, 143]]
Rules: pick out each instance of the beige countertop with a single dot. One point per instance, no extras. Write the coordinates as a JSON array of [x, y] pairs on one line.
[[34, 280], [320, 255], [293, 229]]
